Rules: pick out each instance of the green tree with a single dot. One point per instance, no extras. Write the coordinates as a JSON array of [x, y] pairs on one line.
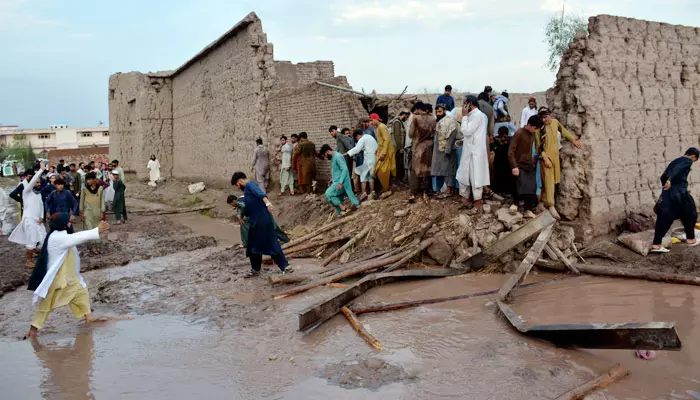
[[559, 33], [20, 151]]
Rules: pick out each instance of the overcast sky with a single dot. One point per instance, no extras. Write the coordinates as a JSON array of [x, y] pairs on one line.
[[57, 55]]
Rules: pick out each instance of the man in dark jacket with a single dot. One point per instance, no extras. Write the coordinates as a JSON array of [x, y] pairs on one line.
[[675, 201]]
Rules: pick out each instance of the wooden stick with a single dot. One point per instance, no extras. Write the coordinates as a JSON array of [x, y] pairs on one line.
[[321, 230], [415, 303], [317, 244], [420, 231], [337, 285], [414, 252], [563, 258], [573, 246], [346, 246], [372, 264], [629, 273], [352, 318], [614, 374], [532, 255]]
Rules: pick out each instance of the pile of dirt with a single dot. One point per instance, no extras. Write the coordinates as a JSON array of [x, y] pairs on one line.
[[14, 272]]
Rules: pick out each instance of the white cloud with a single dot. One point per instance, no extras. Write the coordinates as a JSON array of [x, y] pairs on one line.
[[551, 5], [14, 16], [387, 12]]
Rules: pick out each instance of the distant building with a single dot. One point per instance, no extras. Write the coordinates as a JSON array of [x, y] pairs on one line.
[[59, 136]]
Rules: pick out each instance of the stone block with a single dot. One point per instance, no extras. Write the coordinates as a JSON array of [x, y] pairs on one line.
[[595, 129], [617, 206], [652, 124], [633, 123], [646, 201], [650, 150], [632, 202], [667, 97], [597, 182], [599, 208], [694, 176], [650, 54], [629, 76], [623, 152], [600, 150], [621, 96], [589, 97], [672, 148], [645, 71], [636, 98], [608, 96], [507, 218], [647, 177], [688, 141], [651, 95], [683, 97]]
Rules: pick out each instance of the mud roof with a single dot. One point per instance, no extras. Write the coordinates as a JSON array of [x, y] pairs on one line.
[[242, 24]]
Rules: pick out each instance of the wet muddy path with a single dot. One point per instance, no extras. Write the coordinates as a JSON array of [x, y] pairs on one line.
[[189, 325]]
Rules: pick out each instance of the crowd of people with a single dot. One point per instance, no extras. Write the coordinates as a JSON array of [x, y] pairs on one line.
[[439, 151], [84, 191]]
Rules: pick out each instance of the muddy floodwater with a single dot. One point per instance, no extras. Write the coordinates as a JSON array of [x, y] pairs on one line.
[[454, 350]]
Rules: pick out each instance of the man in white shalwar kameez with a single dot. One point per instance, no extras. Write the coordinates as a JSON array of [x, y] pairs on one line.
[[368, 146], [153, 171], [473, 172], [56, 279], [31, 232]]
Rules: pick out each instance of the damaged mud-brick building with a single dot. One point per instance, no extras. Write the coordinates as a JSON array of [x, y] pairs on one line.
[[206, 115], [631, 90]]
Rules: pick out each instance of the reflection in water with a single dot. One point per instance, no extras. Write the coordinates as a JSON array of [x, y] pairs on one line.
[[69, 368]]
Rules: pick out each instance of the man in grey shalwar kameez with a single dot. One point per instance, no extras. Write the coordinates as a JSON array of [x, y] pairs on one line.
[[444, 164], [261, 165]]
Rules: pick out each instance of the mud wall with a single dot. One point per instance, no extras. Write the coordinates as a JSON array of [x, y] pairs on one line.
[[301, 74], [631, 90], [220, 104], [312, 109], [140, 119]]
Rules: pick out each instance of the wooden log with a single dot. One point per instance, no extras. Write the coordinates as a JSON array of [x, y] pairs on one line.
[[415, 303], [551, 254], [321, 230], [532, 228], [312, 245], [318, 313], [420, 231], [561, 257], [414, 252], [632, 273], [346, 246], [337, 285], [629, 335], [370, 265], [614, 374], [357, 325], [524, 268]]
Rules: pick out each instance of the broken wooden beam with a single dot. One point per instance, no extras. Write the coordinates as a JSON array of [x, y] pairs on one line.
[[321, 230], [365, 267], [500, 247], [631, 335], [414, 252], [614, 374], [621, 272], [415, 303], [420, 231], [312, 245], [526, 265], [561, 257], [357, 325], [322, 311], [346, 246], [170, 211]]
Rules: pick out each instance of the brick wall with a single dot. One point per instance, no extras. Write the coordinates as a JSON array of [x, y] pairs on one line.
[[631, 90], [312, 109], [96, 154], [301, 74]]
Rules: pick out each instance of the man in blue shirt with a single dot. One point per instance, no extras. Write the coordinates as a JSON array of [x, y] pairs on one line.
[[446, 98], [61, 201]]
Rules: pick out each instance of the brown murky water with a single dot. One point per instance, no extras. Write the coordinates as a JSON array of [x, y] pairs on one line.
[[456, 350]]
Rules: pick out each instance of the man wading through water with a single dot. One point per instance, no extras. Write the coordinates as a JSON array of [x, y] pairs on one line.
[[262, 239], [675, 201]]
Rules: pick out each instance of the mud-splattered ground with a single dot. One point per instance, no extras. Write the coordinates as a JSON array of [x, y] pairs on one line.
[[13, 270]]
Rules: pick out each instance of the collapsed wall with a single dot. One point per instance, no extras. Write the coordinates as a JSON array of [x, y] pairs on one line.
[[209, 111], [631, 90]]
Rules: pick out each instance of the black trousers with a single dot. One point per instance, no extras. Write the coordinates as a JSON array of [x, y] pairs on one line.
[[279, 259], [672, 206], [420, 184]]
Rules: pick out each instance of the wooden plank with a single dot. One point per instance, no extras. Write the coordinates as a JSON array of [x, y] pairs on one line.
[[614, 374], [500, 247], [561, 257], [346, 246], [526, 265], [623, 272], [322, 311], [409, 256], [360, 329], [630, 335], [415, 303], [321, 230]]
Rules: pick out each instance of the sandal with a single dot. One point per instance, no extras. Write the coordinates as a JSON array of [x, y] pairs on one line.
[[251, 274], [695, 243], [659, 250]]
